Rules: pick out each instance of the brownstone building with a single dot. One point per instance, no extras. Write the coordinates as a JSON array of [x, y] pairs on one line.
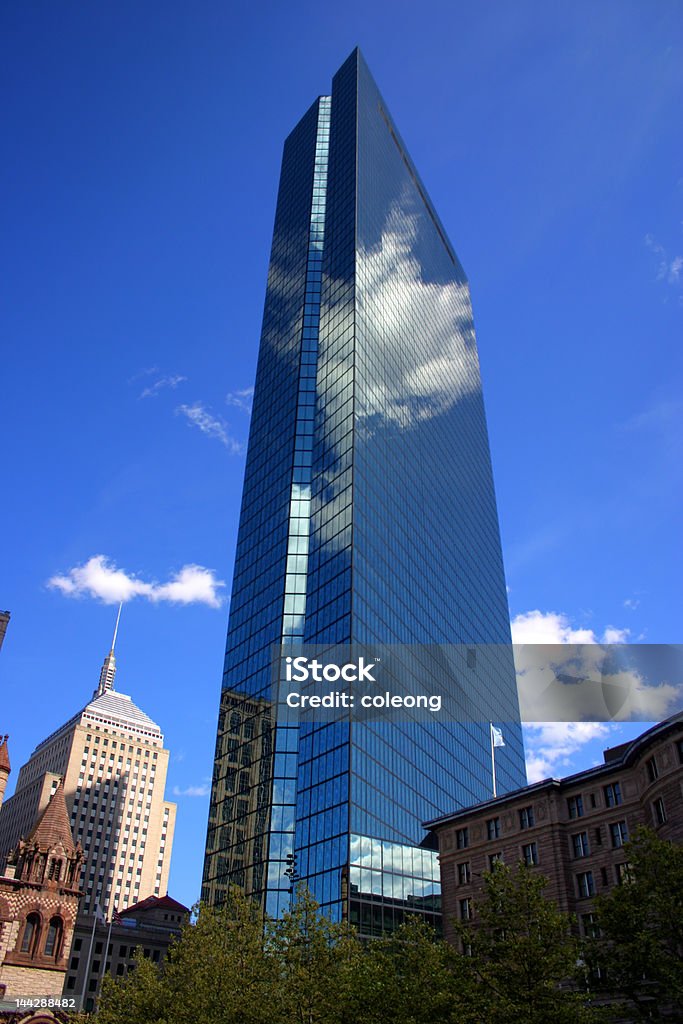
[[572, 829], [38, 906]]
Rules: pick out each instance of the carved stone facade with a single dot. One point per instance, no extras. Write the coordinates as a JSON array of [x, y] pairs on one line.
[[38, 906]]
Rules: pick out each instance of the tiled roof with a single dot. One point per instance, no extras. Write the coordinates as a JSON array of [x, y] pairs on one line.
[[112, 708], [53, 825], [120, 707], [156, 903]]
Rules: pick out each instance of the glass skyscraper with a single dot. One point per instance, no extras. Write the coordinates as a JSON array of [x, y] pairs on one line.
[[368, 517]]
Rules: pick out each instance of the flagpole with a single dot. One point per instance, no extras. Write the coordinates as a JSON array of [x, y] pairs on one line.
[[104, 957], [89, 960], [493, 759]]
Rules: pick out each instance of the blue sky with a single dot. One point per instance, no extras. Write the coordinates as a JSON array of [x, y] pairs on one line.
[[140, 179]]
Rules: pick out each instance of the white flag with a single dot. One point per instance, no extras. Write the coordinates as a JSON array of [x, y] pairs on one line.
[[497, 734], [99, 914]]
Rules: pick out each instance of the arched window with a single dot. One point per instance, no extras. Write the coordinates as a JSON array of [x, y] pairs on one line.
[[53, 940], [55, 872], [31, 933]]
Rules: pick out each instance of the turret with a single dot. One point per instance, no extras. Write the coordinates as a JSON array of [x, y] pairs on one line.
[[5, 766]]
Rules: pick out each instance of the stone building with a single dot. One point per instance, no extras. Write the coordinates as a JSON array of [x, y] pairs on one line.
[[38, 906], [573, 829], [112, 759], [110, 948]]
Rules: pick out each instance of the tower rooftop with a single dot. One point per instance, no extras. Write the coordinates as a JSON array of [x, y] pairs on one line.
[[4, 755], [53, 827], [115, 710]]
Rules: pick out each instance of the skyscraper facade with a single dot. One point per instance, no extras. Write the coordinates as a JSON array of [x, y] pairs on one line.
[[112, 762], [368, 517]]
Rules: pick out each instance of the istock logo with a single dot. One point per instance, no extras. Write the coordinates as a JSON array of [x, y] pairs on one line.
[[301, 669]]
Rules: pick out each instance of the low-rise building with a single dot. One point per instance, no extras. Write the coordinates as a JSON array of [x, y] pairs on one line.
[[573, 829], [101, 948]]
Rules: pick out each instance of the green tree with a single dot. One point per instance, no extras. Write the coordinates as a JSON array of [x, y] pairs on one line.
[[639, 952], [218, 972], [134, 999], [414, 977], [522, 953], [318, 963]]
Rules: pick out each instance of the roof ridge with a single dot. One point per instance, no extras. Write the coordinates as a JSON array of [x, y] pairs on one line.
[[53, 827]]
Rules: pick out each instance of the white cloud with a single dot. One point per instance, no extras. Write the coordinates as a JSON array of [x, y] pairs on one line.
[[241, 399], [612, 635], [202, 790], [550, 746], [211, 425], [100, 578], [160, 384], [667, 270], [631, 603], [538, 627], [570, 676]]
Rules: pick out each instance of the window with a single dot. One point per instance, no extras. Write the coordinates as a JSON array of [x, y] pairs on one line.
[[31, 934], [589, 926], [679, 747], [526, 817], [464, 873], [575, 806], [462, 838], [580, 847], [619, 833], [652, 769], [530, 854], [585, 884], [493, 828], [495, 858], [622, 872], [465, 910], [53, 940], [598, 836], [613, 794], [659, 811]]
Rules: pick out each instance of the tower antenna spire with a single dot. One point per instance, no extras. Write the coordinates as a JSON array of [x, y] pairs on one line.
[[116, 627], [108, 671]]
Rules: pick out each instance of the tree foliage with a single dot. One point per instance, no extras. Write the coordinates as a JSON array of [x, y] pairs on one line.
[[639, 954], [232, 967], [414, 977], [522, 953], [219, 971]]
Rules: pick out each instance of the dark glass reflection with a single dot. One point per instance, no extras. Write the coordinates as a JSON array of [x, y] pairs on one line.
[[368, 515]]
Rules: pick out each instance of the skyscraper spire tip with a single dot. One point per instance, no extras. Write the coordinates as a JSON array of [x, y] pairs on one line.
[[116, 627]]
